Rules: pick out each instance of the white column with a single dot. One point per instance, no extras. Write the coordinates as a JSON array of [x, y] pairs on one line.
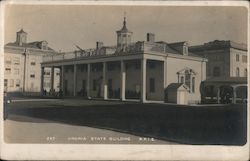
[[88, 82], [165, 73], [234, 96], [52, 78], [62, 79], [165, 78], [123, 81], [143, 80], [42, 79], [75, 80], [105, 88], [218, 95]]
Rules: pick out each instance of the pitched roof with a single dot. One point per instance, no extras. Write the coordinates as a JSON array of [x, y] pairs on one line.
[[168, 48], [124, 27], [21, 31], [218, 44], [177, 43], [33, 45], [175, 86]]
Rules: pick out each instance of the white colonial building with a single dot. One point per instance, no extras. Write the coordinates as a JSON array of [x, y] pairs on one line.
[[22, 63], [140, 70]]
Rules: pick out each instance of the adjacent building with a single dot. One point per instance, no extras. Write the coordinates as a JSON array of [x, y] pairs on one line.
[[225, 58], [144, 70], [22, 63], [226, 70]]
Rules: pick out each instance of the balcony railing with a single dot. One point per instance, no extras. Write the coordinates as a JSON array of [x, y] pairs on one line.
[[133, 48]]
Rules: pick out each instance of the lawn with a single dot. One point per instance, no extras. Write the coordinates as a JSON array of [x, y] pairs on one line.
[[209, 125]]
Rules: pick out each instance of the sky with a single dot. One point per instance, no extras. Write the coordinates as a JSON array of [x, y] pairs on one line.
[[62, 26]]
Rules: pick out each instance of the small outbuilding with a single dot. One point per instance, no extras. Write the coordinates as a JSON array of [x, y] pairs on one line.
[[176, 93]]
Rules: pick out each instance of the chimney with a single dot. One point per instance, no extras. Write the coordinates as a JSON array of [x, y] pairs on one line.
[[150, 37], [99, 44]]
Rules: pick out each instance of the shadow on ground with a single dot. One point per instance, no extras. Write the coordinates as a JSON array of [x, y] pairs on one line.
[[222, 125]]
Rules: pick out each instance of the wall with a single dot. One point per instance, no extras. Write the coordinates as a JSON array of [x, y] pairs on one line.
[[133, 76], [33, 84], [158, 74], [234, 64], [176, 64], [12, 75]]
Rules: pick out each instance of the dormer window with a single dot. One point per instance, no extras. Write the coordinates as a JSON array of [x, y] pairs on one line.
[[44, 45]]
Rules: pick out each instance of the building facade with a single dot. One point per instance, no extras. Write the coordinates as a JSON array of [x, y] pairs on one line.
[[22, 63], [225, 58], [226, 71], [139, 70]]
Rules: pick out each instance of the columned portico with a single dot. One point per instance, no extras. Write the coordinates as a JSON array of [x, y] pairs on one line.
[[143, 79]]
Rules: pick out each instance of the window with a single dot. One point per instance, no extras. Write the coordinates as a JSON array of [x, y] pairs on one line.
[[8, 61], [209, 71], [5, 82], [245, 73], [193, 84], [137, 65], [152, 64], [110, 67], [237, 57], [46, 73], [32, 74], [237, 72], [83, 84], [96, 68], [187, 78], [110, 84], [83, 68], [66, 70], [16, 71], [11, 83], [94, 84], [244, 58], [7, 70], [33, 63], [216, 71], [152, 85], [182, 79], [17, 83], [16, 61]]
